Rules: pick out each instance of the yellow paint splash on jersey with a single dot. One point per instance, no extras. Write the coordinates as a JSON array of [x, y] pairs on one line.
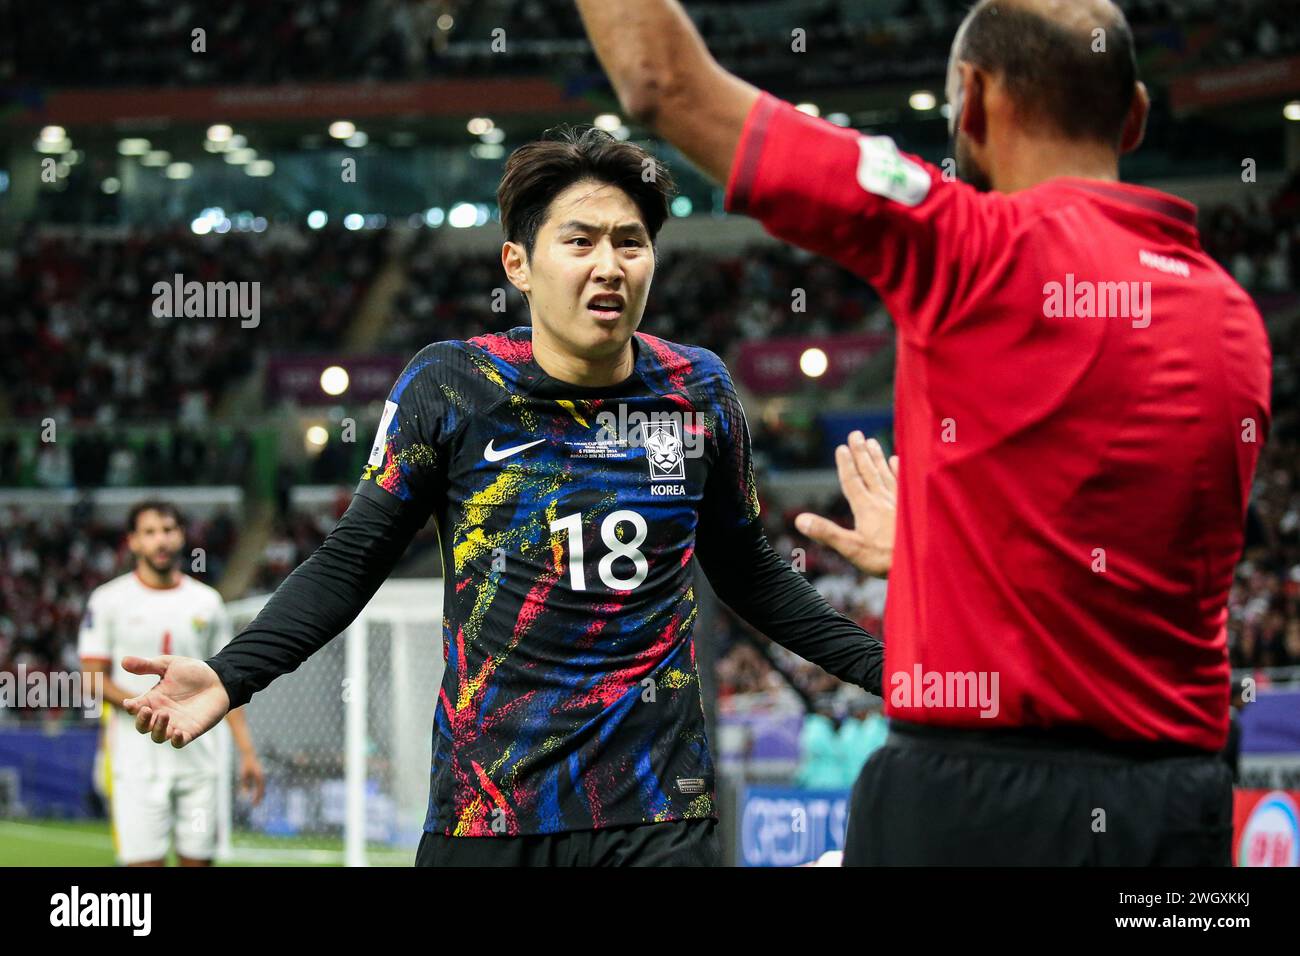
[[473, 810], [472, 540], [573, 411]]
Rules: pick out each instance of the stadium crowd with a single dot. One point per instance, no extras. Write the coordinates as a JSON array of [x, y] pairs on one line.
[[146, 42], [296, 534], [1258, 240], [151, 42], [85, 338], [712, 300], [109, 458], [1264, 605]]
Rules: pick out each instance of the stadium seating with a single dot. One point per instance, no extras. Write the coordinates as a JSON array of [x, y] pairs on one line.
[[139, 43]]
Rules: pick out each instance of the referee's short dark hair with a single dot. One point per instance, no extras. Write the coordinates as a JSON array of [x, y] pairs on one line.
[[1077, 78], [539, 171], [165, 508]]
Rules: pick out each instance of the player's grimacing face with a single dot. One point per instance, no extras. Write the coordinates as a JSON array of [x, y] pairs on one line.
[[591, 268], [157, 539]]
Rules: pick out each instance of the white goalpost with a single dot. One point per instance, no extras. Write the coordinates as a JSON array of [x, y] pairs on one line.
[[345, 740]]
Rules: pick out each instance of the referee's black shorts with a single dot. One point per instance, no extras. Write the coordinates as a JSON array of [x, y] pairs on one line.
[[673, 843], [935, 796]]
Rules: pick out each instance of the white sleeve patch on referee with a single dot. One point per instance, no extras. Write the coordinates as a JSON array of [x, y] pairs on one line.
[[886, 172], [377, 449]]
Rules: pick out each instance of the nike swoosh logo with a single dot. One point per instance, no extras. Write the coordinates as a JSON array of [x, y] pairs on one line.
[[496, 454]]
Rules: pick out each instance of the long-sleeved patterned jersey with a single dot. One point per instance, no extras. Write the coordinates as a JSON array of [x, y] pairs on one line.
[[567, 518]]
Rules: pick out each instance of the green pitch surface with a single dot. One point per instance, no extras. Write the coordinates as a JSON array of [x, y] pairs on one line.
[[62, 843], [89, 843]]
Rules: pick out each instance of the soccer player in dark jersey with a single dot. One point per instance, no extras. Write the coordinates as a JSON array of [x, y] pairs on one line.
[[573, 468], [1081, 398]]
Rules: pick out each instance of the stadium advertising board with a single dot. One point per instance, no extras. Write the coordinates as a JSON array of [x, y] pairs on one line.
[[1266, 828], [789, 826]]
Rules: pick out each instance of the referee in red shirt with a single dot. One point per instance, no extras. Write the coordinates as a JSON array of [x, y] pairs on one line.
[[1082, 394]]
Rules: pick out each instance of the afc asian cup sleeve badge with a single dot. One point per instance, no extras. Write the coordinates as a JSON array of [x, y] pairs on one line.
[[376, 459], [886, 172], [663, 450]]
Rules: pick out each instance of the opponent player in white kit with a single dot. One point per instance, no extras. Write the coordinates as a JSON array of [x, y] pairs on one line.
[[158, 792]]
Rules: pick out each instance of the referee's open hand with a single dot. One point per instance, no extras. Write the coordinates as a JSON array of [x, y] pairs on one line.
[[870, 482], [189, 700]]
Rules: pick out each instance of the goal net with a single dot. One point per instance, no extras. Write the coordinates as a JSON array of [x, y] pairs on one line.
[[344, 740]]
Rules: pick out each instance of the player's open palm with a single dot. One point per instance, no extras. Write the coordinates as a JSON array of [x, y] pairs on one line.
[[870, 482], [189, 700]]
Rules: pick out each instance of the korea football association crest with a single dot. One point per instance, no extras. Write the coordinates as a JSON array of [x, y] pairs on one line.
[[663, 450]]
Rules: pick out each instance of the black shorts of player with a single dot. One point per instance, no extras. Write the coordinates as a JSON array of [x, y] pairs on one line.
[[933, 796], [674, 843]]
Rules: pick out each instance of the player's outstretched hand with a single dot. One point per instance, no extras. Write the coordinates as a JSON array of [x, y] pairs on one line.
[[189, 700], [870, 482]]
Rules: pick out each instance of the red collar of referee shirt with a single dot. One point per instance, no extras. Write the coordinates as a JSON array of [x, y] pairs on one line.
[[1142, 197]]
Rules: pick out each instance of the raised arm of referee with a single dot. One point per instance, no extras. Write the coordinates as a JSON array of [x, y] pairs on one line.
[[1081, 396]]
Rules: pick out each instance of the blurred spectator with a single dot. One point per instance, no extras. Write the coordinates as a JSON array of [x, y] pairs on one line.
[[822, 759], [296, 535], [49, 564]]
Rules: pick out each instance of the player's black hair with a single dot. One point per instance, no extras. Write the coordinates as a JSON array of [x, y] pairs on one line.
[[539, 171], [1078, 81], [165, 508]]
